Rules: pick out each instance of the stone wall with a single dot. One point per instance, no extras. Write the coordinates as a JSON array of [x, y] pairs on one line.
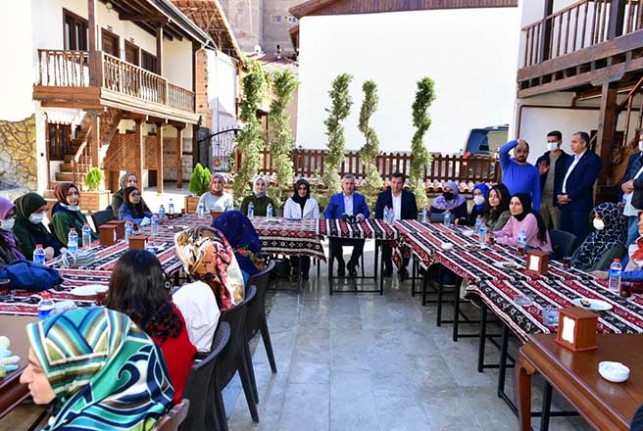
[[18, 153], [169, 159]]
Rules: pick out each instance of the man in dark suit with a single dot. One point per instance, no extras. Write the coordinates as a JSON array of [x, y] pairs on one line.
[[404, 207], [347, 204], [632, 187], [576, 197], [552, 167]]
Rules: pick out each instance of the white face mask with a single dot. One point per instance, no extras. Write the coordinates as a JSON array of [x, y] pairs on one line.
[[552, 146], [478, 199], [599, 224], [641, 146], [71, 207], [7, 224], [36, 218]]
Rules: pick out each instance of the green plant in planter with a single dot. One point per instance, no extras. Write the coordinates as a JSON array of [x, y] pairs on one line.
[[93, 179], [424, 96], [200, 180]]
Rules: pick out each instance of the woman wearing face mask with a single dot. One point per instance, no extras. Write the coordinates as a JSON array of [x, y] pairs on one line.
[[9, 250], [633, 262], [524, 218], [30, 230], [259, 198], [496, 212], [66, 213], [133, 207], [605, 244], [451, 201], [480, 192], [216, 199]]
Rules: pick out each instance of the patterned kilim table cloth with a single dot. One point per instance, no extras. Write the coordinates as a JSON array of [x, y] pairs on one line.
[[366, 229]]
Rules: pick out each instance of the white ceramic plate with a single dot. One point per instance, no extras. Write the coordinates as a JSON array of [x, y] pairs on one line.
[[613, 371], [467, 232], [506, 265], [594, 304], [88, 290]]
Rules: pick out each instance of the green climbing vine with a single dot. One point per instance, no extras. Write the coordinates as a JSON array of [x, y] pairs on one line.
[[371, 148], [424, 96]]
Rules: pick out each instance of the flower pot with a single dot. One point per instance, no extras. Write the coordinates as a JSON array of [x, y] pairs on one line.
[[191, 203], [95, 201]]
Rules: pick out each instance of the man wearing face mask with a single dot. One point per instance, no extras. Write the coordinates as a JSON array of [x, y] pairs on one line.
[[30, 230], [9, 250], [551, 166], [631, 186], [518, 175]]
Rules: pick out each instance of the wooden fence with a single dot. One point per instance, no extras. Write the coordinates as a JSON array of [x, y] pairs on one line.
[[310, 163]]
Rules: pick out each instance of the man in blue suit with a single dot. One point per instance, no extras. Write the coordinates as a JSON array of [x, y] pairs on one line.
[[404, 207], [632, 187], [347, 203], [576, 197]]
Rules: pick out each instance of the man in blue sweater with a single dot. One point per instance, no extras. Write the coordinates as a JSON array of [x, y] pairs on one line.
[[518, 175]]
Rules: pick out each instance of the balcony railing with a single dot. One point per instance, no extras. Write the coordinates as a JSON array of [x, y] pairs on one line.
[[578, 26], [58, 68]]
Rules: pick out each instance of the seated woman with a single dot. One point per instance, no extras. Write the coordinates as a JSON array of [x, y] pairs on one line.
[[243, 239], [137, 288], [30, 230], [607, 241], [216, 199], [480, 193], [633, 262], [209, 259], [90, 377], [301, 206], [496, 212], [66, 213], [524, 218], [133, 207], [127, 180], [450, 201], [259, 199], [9, 250]]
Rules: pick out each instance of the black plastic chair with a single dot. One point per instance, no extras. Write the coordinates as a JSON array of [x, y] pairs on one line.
[[234, 358], [199, 388], [101, 217], [563, 243]]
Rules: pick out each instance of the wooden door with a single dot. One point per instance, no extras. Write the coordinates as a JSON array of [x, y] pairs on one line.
[[131, 53], [110, 43]]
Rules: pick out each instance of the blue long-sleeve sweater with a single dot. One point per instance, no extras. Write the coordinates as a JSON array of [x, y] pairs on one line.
[[519, 178]]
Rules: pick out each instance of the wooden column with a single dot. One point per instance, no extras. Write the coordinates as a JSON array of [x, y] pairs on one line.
[[94, 142], [159, 158], [139, 144], [545, 46], [617, 18], [159, 50], [606, 130], [95, 77], [179, 157]]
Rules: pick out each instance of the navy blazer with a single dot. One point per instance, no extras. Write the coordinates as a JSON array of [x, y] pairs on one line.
[[335, 208], [580, 184], [409, 210], [634, 163]]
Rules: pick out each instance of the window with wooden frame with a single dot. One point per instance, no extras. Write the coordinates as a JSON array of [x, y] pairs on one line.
[[148, 61], [111, 43], [132, 53], [74, 32], [59, 140]]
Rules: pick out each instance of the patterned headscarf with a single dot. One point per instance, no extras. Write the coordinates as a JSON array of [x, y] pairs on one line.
[[441, 203], [105, 371], [599, 242], [243, 238], [6, 238], [207, 256]]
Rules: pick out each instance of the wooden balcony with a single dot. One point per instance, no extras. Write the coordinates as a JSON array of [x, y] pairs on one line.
[[583, 45], [67, 79]]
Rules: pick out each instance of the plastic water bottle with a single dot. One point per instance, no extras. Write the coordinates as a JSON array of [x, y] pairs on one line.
[[447, 218], [46, 306], [199, 210], [387, 215], [251, 210], [39, 255], [161, 211], [155, 225], [616, 269], [482, 233], [425, 216], [522, 242], [87, 236], [170, 207], [476, 227], [72, 241], [269, 211], [129, 229]]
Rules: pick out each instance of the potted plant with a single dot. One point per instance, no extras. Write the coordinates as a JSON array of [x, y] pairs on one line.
[[95, 198], [199, 184]]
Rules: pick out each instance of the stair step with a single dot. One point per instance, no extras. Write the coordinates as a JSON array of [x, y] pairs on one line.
[[86, 159], [67, 167], [65, 176]]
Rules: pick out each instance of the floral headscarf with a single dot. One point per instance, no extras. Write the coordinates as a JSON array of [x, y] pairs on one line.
[[207, 256], [6, 238], [600, 241], [105, 371], [243, 238], [441, 203]]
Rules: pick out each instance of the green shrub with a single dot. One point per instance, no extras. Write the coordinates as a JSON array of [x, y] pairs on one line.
[[93, 179], [200, 180]]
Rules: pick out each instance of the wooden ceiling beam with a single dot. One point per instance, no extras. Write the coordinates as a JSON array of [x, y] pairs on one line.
[[158, 19]]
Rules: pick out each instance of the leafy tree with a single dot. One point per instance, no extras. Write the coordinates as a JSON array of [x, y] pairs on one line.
[[282, 143], [371, 148], [200, 180], [424, 96], [249, 141]]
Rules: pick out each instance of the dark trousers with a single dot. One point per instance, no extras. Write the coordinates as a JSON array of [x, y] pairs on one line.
[[305, 264], [576, 222], [387, 252], [336, 245]]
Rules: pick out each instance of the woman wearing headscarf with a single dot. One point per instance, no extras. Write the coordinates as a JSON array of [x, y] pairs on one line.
[[259, 198], [479, 193], [216, 199], [524, 218], [606, 242], [209, 259], [133, 207], [451, 201], [29, 229], [496, 212], [301, 206], [127, 180], [137, 288], [243, 239], [9, 250], [66, 213], [99, 371]]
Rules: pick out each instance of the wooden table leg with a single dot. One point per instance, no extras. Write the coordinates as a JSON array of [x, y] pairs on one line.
[[524, 370]]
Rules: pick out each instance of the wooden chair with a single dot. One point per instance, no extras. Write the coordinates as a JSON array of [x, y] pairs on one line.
[[174, 418], [101, 217]]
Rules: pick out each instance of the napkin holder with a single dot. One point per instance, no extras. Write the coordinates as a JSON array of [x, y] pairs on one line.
[[107, 234], [137, 242], [577, 329], [120, 227], [537, 261]]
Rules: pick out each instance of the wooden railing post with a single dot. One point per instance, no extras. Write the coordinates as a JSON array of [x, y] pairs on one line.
[[617, 18], [545, 46]]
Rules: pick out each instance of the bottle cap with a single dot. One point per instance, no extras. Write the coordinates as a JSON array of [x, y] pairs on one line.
[[72, 228], [617, 260], [45, 295], [38, 245]]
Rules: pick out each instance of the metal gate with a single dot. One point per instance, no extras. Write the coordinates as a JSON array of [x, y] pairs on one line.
[[218, 149]]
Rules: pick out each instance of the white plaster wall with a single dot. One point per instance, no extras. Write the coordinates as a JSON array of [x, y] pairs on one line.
[[222, 90], [178, 62], [470, 54]]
